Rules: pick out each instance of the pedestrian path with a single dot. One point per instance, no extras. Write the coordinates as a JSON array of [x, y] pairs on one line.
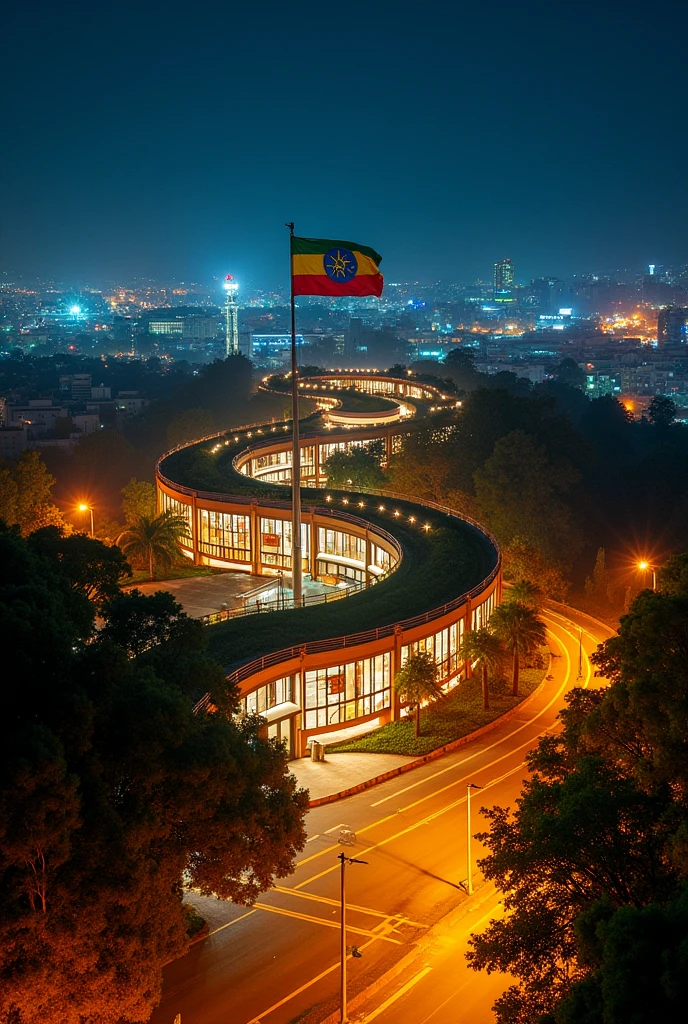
[[339, 772]]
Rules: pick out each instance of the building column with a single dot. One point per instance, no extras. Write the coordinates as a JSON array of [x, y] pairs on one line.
[[255, 539], [299, 742], [194, 529], [368, 558], [316, 463], [395, 667], [313, 554], [467, 625]]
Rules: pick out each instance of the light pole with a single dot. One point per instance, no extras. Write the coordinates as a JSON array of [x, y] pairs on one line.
[[469, 787], [343, 860], [580, 653], [644, 566], [88, 508]]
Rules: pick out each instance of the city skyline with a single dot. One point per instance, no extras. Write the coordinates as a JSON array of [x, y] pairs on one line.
[[450, 139]]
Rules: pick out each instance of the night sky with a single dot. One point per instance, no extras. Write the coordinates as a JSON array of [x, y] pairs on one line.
[[175, 139]]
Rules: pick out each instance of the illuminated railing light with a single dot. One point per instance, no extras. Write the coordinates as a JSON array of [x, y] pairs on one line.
[[381, 508]]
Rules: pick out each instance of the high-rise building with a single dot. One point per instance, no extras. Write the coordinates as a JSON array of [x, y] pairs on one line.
[[504, 281], [231, 317], [671, 326]]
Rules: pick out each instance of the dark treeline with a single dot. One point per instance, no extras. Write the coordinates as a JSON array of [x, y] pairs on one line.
[[186, 403], [557, 477], [593, 860]]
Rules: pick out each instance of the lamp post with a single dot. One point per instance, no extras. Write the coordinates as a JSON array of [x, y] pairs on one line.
[[469, 870], [343, 860], [88, 508], [644, 566]]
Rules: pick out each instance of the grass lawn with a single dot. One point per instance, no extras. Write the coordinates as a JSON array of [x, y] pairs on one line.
[[452, 717]]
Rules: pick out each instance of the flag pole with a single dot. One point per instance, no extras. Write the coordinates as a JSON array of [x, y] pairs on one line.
[[296, 559]]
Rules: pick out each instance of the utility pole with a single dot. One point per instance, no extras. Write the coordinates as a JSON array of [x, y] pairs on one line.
[[469, 787], [344, 860]]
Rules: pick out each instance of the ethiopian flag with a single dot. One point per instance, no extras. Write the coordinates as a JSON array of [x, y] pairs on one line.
[[321, 266]]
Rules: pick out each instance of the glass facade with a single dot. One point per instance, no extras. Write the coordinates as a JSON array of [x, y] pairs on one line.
[[482, 612], [275, 542], [281, 691], [335, 542], [442, 647], [343, 693], [225, 535], [180, 508]]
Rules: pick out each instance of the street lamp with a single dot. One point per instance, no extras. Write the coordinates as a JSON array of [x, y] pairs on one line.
[[343, 951], [644, 566], [87, 508], [469, 787]]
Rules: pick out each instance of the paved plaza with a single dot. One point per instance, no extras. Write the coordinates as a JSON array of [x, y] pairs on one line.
[[203, 595]]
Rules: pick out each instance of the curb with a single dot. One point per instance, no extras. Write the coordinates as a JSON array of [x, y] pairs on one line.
[[566, 608], [433, 755]]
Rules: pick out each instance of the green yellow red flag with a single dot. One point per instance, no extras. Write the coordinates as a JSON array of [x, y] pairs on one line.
[[323, 266]]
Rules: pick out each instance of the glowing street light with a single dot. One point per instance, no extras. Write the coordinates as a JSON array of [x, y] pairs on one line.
[[87, 508], [644, 566]]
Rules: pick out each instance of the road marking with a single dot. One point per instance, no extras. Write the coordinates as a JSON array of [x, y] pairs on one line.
[[310, 919], [230, 923], [350, 906], [297, 991], [397, 995], [437, 792], [311, 838], [334, 828], [334, 967]]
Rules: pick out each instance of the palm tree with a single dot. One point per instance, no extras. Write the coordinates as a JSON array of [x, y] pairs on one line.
[[482, 648], [154, 539], [520, 630], [416, 681], [526, 592]]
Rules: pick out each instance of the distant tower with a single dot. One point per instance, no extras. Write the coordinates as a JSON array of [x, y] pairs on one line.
[[231, 317], [503, 280]]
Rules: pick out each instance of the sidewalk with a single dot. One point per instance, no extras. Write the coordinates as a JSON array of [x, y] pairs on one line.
[[339, 772]]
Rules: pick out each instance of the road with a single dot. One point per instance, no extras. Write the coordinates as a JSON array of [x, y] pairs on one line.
[[273, 962]]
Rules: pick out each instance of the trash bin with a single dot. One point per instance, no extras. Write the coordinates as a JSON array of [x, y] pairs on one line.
[[317, 751]]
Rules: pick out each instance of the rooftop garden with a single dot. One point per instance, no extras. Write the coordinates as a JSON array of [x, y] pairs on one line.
[[438, 564]]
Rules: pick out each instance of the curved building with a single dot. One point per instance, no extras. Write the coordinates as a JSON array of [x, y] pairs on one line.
[[416, 575]]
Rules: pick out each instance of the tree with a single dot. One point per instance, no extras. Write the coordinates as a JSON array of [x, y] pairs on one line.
[[112, 793], [26, 495], [92, 567], [638, 961], [190, 425], [522, 562], [525, 496], [424, 467], [416, 681], [482, 648], [661, 411], [357, 468], [154, 541], [569, 372], [460, 367], [597, 588], [138, 500], [520, 630], [672, 577], [527, 593], [594, 860]]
